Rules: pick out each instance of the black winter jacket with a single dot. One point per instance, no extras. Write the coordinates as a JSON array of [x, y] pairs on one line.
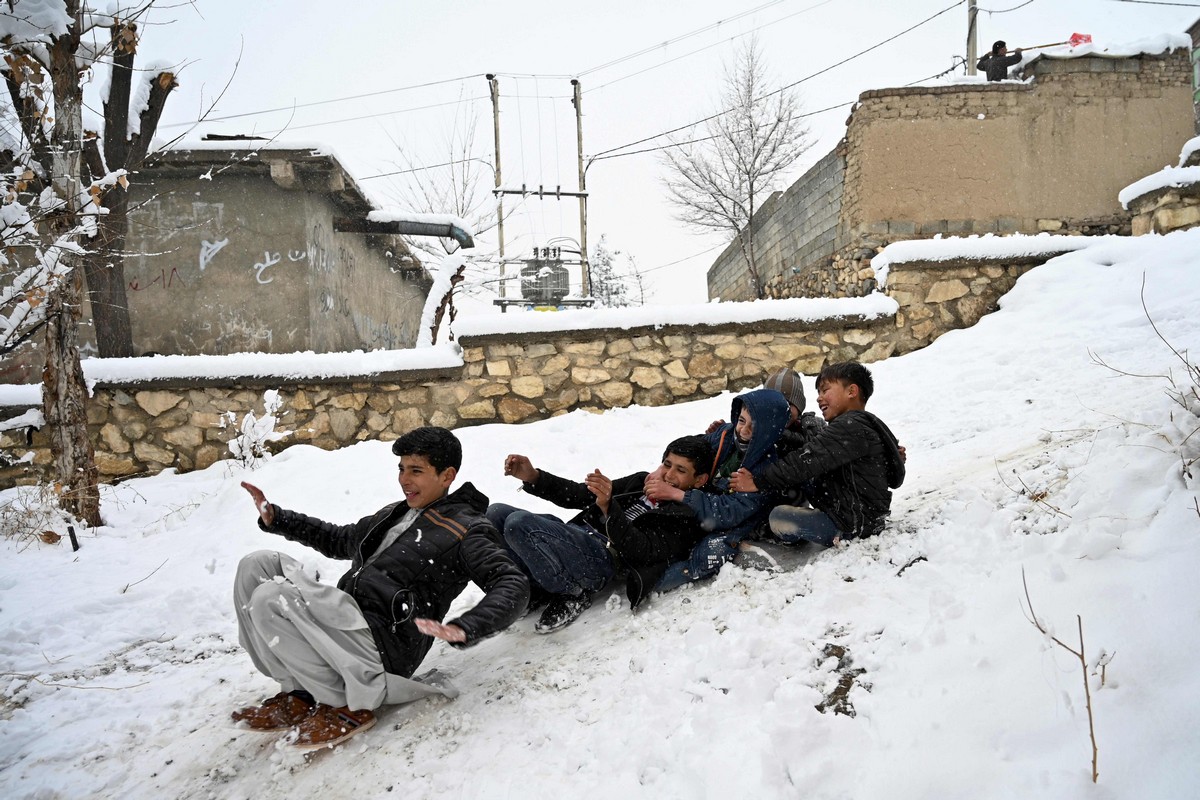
[[421, 573], [845, 471], [643, 547], [996, 67]]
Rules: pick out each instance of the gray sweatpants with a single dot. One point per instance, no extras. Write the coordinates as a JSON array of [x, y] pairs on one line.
[[312, 636]]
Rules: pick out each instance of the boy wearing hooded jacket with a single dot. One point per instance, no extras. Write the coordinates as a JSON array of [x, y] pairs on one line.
[[759, 417], [845, 470]]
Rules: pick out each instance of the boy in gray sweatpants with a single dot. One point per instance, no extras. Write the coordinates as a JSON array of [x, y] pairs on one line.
[[340, 652]]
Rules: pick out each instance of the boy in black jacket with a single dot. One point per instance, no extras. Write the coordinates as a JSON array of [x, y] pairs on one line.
[[845, 470], [338, 653], [635, 525]]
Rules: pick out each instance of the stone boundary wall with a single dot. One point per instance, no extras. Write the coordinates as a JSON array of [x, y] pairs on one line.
[[143, 428], [793, 228], [979, 158], [1172, 208]]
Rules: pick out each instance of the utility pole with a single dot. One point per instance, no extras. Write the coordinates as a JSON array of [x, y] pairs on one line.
[[972, 52], [584, 270], [494, 86]]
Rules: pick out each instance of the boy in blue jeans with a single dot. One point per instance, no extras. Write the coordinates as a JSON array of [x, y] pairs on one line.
[[845, 470]]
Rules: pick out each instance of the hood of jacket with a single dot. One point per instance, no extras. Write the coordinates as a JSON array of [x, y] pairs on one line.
[[891, 448], [769, 410]]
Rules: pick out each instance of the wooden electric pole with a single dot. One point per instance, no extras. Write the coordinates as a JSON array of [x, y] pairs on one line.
[[584, 269], [494, 86], [972, 50]]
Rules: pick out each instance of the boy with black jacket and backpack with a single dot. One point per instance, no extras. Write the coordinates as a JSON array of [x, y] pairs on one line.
[[844, 470], [340, 652], [632, 526]]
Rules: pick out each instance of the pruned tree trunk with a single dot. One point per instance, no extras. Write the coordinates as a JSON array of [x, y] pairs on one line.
[[64, 393], [104, 264]]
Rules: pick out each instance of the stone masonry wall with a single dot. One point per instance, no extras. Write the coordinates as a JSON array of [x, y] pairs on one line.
[[144, 428], [795, 228]]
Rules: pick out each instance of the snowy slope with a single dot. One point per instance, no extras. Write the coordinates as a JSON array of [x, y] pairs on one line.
[[1026, 455]]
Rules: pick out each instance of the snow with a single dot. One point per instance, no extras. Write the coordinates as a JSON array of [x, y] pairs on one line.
[[807, 309], [1189, 147], [1164, 178], [1153, 45], [989, 247], [393, 214], [1027, 460]]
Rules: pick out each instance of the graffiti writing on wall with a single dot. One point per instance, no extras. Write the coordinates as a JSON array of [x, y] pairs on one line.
[[164, 280], [208, 250], [271, 259]]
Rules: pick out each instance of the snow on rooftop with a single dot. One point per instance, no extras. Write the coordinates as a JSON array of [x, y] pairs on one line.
[[986, 247], [1164, 178], [1154, 45]]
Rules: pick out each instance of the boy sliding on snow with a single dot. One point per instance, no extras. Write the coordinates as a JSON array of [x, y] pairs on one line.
[[339, 653], [632, 526], [845, 470]]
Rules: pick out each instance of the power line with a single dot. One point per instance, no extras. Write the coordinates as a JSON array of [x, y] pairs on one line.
[[708, 46], [783, 88], [320, 102], [1004, 10], [680, 38], [1160, 3]]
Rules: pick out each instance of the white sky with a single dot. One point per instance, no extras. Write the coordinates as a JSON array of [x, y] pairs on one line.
[[301, 52]]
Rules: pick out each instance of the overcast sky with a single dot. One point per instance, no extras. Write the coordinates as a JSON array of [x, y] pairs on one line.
[[641, 72]]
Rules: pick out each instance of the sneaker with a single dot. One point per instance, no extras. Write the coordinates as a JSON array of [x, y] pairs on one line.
[[327, 726], [277, 713], [562, 611]]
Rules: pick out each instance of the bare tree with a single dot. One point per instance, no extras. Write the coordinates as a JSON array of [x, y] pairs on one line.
[[718, 179], [461, 187], [46, 212]]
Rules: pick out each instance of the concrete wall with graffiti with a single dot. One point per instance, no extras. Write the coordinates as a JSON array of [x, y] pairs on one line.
[[238, 264]]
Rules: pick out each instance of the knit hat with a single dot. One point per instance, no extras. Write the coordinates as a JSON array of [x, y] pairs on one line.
[[787, 383]]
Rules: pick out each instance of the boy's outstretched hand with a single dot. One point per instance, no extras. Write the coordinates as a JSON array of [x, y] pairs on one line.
[[265, 510], [521, 468], [742, 481], [449, 633]]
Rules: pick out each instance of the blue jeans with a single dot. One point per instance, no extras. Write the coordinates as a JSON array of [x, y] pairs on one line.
[[561, 557], [792, 524], [704, 561]]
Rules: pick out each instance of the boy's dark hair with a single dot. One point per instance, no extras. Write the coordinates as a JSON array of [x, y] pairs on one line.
[[997, 46], [695, 449], [849, 372], [438, 445]]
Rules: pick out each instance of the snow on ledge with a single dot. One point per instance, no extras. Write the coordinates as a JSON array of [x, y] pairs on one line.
[[801, 309], [396, 214], [1164, 178], [988, 247], [283, 366], [1189, 147]]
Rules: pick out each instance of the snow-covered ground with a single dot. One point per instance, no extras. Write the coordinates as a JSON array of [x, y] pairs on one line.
[[1026, 457]]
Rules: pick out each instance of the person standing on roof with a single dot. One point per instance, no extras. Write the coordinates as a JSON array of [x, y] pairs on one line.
[[997, 62]]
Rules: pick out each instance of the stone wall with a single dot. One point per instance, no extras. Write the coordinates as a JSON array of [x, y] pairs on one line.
[[1172, 208], [142, 428], [793, 228], [978, 158]]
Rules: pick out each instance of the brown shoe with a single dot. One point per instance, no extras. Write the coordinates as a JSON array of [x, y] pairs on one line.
[[277, 713], [327, 726]]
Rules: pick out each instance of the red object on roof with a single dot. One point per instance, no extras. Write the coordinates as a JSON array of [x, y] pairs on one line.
[[1080, 38]]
